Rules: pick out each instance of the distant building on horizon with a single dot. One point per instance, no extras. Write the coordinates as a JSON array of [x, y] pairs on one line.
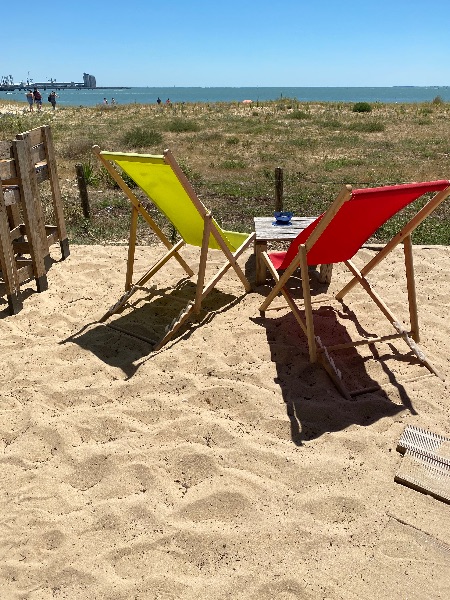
[[89, 81]]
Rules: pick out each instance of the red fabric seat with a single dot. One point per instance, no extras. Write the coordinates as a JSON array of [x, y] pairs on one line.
[[356, 221]]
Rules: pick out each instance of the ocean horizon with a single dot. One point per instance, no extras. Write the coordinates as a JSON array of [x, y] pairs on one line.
[[149, 95]]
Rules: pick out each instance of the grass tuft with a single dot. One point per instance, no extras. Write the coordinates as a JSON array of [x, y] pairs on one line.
[[182, 126], [139, 137], [367, 126]]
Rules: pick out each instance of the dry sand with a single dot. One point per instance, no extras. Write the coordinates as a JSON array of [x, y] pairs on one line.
[[13, 108], [223, 467]]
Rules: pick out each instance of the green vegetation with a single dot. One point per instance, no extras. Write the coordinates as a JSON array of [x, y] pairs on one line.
[[299, 115], [182, 125], [367, 126], [229, 152], [362, 107], [140, 137], [90, 174]]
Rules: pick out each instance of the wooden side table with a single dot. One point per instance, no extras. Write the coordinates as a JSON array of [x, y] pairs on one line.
[[267, 232]]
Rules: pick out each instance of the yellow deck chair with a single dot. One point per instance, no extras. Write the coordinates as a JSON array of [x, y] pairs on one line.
[[163, 181]]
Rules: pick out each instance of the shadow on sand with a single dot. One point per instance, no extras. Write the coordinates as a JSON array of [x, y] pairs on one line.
[[127, 338], [313, 404], [27, 289]]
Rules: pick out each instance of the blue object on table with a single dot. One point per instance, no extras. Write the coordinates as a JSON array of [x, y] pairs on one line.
[[282, 218]]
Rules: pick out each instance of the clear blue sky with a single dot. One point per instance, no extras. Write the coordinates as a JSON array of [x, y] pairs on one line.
[[229, 42]]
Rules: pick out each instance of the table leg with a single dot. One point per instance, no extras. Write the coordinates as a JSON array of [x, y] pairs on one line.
[[261, 269], [325, 273]]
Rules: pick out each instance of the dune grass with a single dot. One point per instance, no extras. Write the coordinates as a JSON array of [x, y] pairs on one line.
[[229, 151]]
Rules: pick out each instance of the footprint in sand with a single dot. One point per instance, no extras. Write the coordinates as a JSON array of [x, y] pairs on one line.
[[219, 506], [89, 472]]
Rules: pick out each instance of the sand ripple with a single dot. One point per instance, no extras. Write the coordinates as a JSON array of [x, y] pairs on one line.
[[225, 466]]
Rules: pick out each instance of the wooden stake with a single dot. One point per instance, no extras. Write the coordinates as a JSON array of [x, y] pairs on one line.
[[83, 191], [278, 189], [413, 317]]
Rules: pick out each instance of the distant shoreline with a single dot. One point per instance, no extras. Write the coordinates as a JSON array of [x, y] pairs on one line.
[[209, 95]]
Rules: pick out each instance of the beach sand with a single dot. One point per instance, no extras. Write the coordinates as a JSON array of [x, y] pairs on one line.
[[13, 108], [225, 466]]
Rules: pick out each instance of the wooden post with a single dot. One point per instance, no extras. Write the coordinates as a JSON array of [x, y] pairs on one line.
[[278, 189], [37, 244], [83, 191], [47, 138]]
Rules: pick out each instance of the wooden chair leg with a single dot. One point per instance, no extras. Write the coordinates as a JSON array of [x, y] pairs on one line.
[[411, 286], [131, 248], [307, 304], [202, 265], [279, 285], [261, 270]]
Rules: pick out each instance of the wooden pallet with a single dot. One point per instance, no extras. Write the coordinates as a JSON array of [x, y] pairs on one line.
[[426, 462], [426, 442], [25, 239], [37, 152]]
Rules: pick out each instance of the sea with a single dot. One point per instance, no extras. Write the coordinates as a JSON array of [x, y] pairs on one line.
[[149, 95]]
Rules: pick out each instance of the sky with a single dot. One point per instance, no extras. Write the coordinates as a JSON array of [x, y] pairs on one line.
[[229, 43]]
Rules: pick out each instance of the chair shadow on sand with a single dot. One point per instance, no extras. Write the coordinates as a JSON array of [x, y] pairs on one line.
[[128, 340], [313, 404]]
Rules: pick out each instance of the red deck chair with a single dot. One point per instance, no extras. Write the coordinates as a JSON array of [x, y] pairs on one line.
[[336, 236]]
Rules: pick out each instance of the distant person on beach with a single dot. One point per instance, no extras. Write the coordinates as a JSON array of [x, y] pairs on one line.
[[37, 98], [168, 101], [30, 99], [105, 101], [113, 102], [52, 99], [159, 101]]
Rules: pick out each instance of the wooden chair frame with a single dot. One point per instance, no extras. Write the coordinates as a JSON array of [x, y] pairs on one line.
[[209, 228], [317, 351]]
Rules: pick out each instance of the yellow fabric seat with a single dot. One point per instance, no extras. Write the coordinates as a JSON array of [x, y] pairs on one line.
[[164, 183], [161, 184]]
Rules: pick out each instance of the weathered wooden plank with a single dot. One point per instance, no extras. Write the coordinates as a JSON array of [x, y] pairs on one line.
[[24, 269], [34, 136], [426, 473], [24, 164], [9, 176], [421, 440], [16, 232], [14, 216], [8, 170], [56, 192], [266, 231], [8, 265], [32, 212]]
